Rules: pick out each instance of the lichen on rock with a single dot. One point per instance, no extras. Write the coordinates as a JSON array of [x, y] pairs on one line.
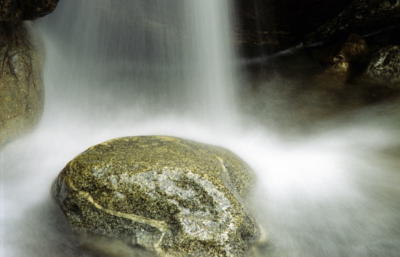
[[169, 196]]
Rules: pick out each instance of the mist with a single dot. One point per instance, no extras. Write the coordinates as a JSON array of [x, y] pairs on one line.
[[325, 189]]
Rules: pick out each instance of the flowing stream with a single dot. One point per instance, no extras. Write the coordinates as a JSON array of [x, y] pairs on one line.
[[142, 67]]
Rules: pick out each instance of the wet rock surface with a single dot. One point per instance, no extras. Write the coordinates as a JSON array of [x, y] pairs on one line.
[[17, 10], [164, 195], [384, 67], [21, 88]]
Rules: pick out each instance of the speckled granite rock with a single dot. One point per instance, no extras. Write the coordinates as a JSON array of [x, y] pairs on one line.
[[384, 67], [21, 89], [170, 196], [17, 10]]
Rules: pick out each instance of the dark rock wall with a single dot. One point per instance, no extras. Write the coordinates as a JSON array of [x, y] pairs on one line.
[[268, 26], [17, 10], [363, 17]]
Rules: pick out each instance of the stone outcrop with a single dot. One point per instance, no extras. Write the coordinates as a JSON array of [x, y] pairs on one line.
[[21, 87]]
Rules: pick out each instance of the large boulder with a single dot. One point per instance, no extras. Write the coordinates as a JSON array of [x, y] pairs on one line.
[[17, 10], [164, 195], [21, 88]]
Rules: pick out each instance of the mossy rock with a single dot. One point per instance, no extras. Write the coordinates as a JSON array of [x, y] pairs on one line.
[[169, 196], [21, 85]]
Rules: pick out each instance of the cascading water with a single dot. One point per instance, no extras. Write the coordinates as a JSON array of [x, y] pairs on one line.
[[211, 79], [115, 68], [134, 67], [166, 53]]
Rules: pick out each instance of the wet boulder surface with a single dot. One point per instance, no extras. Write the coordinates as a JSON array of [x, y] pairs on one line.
[[21, 64], [161, 195], [21, 86]]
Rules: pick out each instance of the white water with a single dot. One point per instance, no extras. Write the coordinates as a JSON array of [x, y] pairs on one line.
[[212, 79], [107, 76], [173, 56]]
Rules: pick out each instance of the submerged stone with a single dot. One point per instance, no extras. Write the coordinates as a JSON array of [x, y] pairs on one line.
[[169, 196]]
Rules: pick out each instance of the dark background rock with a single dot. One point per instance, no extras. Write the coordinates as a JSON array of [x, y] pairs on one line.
[[16, 10], [364, 17], [268, 26]]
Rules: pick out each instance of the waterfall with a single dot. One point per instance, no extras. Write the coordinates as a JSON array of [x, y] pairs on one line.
[[114, 68], [169, 55], [138, 67], [211, 79]]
